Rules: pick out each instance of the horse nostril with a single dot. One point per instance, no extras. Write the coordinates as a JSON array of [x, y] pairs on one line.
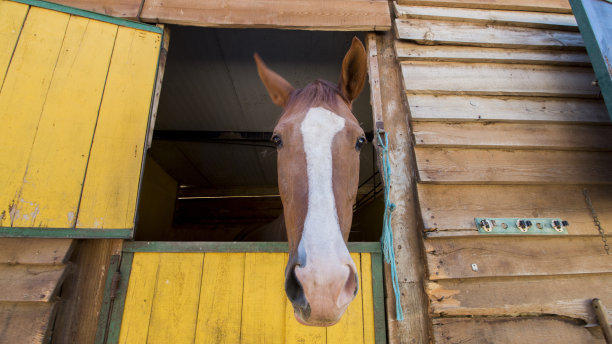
[[293, 287], [351, 287]]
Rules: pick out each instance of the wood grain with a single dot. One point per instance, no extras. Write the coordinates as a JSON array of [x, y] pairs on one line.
[[355, 15], [498, 79], [450, 210], [511, 18], [31, 283], [524, 109], [452, 165], [116, 8], [26, 322], [368, 298], [558, 6], [12, 16], [515, 256], [408, 51], [513, 135], [534, 330], [564, 295], [35, 251]]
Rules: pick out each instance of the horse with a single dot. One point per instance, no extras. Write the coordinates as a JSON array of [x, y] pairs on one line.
[[318, 140]]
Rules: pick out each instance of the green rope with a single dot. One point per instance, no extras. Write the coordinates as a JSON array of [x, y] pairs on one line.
[[387, 234]]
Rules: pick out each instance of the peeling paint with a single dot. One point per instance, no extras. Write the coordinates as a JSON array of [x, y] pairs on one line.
[[70, 218]]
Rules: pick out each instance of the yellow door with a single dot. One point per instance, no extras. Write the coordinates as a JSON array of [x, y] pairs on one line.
[[75, 98]]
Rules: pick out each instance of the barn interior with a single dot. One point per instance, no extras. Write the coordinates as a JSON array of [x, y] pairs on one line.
[[210, 173]]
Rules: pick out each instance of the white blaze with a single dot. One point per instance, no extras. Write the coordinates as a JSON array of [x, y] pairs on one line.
[[321, 238]]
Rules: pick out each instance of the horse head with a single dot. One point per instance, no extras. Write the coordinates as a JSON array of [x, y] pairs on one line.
[[318, 141]]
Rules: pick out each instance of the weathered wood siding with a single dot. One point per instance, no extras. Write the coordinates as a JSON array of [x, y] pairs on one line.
[[74, 106], [507, 122]]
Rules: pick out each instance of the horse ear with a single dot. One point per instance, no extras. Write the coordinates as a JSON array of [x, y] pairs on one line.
[[278, 88], [354, 68]]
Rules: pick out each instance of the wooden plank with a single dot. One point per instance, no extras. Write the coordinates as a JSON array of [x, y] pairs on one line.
[[220, 308], [529, 109], [175, 300], [215, 246], [564, 295], [350, 327], [35, 251], [602, 318], [450, 210], [498, 79], [264, 294], [520, 256], [556, 21], [369, 334], [374, 79], [116, 8], [110, 189], [296, 333], [408, 51], [52, 184], [161, 67], [139, 298], [354, 15], [23, 96], [555, 6], [513, 135], [431, 32], [26, 322], [452, 165], [535, 330], [32, 283], [12, 16]]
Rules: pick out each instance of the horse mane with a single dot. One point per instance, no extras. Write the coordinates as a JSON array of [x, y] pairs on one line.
[[317, 93]]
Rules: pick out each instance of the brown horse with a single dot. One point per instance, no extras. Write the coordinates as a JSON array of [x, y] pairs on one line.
[[318, 141]]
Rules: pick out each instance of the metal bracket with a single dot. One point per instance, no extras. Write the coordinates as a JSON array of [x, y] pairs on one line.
[[526, 226]]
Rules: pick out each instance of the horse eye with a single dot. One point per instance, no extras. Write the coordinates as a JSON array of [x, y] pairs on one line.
[[277, 141], [360, 142]]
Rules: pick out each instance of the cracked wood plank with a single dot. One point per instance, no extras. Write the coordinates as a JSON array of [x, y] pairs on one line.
[[35, 251], [555, 6], [31, 283], [26, 322]]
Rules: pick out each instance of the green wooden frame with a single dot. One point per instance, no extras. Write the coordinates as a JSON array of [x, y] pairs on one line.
[[71, 233], [111, 313]]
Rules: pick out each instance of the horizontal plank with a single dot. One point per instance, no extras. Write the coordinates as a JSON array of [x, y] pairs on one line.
[[555, 6], [512, 135], [35, 251], [26, 322], [424, 107], [498, 79], [116, 8], [33, 283], [533, 330], [515, 256], [408, 51], [454, 165], [431, 32], [355, 15], [567, 295], [450, 210], [556, 21]]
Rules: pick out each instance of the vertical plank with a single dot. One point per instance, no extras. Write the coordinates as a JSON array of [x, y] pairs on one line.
[[350, 328], [12, 16], [22, 98], [139, 299], [54, 176], [368, 298], [264, 302], [298, 333], [111, 183], [175, 302], [220, 309]]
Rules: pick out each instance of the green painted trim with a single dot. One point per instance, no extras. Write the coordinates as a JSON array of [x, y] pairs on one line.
[[512, 227], [117, 310], [92, 15], [72, 233], [176, 246], [106, 300], [595, 51], [380, 324]]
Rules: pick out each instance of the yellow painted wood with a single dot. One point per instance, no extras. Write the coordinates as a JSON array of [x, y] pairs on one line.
[[263, 309], [12, 16], [220, 308], [52, 185], [111, 184], [298, 333], [139, 298], [22, 98], [368, 298], [350, 328], [175, 305]]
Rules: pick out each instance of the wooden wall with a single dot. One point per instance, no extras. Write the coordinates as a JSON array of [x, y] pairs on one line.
[[507, 122]]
